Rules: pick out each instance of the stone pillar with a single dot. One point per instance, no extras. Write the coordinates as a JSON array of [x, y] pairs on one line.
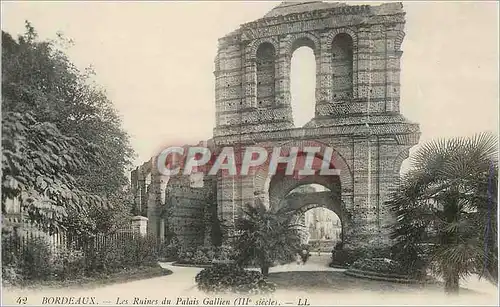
[[324, 73], [362, 230], [391, 158], [283, 74], [393, 38], [364, 63], [250, 71], [226, 202], [207, 240], [140, 224]]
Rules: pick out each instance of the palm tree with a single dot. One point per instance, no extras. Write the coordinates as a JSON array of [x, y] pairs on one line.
[[264, 236], [446, 209]]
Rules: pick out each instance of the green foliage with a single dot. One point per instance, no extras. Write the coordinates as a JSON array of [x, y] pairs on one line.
[[443, 207], [379, 265], [218, 230], [117, 215], [36, 163], [266, 237], [63, 145], [170, 249], [344, 258], [232, 278], [203, 254], [28, 261], [115, 255], [34, 260], [67, 263]]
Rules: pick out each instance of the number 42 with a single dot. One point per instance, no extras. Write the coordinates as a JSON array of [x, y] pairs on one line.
[[22, 300]]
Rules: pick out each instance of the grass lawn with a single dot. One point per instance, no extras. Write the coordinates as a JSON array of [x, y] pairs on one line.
[[338, 281], [99, 280]]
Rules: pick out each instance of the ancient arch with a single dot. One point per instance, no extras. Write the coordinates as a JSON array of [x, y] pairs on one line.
[[357, 104], [357, 50], [300, 202]]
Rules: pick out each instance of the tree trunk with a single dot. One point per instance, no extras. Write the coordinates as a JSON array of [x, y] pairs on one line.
[[264, 270], [451, 285]]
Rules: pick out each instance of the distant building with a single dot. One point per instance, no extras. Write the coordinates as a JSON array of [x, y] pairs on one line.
[[322, 224]]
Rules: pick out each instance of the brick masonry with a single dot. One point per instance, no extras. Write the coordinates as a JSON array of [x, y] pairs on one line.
[[357, 50]]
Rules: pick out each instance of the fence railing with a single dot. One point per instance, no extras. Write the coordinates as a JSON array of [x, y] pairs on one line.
[[24, 233]]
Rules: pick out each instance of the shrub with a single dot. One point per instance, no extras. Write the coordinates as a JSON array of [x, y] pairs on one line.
[[11, 275], [375, 252], [105, 259], [232, 278], [204, 254], [346, 257], [68, 263], [170, 249], [169, 252], [224, 253], [341, 258], [10, 244], [200, 257], [414, 258], [11, 272], [379, 265], [35, 260], [145, 251], [186, 254], [113, 255]]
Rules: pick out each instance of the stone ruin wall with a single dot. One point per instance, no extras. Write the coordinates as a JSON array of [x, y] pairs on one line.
[[175, 202], [358, 54], [357, 51]]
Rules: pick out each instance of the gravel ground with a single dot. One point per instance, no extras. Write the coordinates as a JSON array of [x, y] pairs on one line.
[[314, 281]]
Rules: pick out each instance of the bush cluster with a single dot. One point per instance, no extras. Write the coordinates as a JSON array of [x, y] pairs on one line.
[[33, 261], [222, 278], [379, 265], [204, 254], [113, 256], [36, 260], [346, 257], [170, 248]]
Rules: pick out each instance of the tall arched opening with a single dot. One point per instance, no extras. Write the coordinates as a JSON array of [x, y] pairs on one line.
[[303, 81], [265, 61], [342, 65]]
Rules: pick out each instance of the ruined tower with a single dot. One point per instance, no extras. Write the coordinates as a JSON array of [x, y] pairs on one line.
[[358, 54]]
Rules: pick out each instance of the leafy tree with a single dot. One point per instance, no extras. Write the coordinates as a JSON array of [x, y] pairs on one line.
[[84, 224], [63, 146], [447, 210], [38, 77], [265, 236], [36, 163]]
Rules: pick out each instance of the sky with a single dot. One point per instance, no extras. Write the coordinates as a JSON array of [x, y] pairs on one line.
[[156, 61]]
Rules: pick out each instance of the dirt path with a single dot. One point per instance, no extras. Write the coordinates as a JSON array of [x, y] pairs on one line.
[[179, 288]]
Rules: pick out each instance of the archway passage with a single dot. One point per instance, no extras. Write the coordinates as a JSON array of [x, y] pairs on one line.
[[319, 213], [323, 228]]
